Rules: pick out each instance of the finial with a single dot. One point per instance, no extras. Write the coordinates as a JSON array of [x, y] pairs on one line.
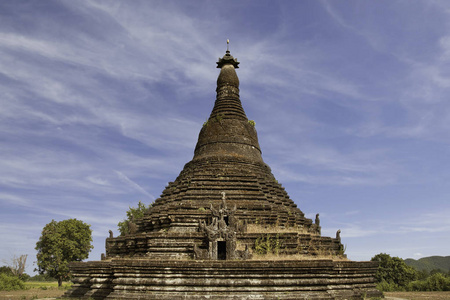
[[227, 58]]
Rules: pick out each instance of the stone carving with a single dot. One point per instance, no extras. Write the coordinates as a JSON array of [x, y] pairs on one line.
[[317, 221], [221, 234], [111, 235], [338, 235], [132, 228], [244, 254], [200, 253]]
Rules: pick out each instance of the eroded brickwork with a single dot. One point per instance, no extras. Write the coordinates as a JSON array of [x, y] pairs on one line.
[[193, 243]]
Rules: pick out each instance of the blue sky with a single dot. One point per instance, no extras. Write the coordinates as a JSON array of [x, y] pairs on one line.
[[102, 101]]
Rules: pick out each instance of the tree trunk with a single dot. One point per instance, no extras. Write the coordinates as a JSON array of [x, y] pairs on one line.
[[59, 281]]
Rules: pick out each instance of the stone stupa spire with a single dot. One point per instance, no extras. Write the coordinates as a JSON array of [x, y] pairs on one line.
[[228, 132]]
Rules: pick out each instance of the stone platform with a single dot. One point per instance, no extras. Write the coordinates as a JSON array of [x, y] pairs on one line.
[[190, 279]]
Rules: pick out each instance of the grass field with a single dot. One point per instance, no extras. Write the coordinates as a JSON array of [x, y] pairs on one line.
[[36, 290]]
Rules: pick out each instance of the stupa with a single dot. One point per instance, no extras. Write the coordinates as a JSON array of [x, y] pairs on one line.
[[224, 229]]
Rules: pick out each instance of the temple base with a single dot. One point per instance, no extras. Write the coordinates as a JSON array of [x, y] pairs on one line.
[[189, 279]]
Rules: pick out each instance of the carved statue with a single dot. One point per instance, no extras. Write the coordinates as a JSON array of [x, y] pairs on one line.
[[132, 228], [111, 235], [338, 234], [317, 222], [214, 211], [222, 224], [200, 253], [244, 254], [212, 230]]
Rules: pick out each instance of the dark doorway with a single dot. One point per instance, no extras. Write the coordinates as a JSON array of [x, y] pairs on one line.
[[222, 250]]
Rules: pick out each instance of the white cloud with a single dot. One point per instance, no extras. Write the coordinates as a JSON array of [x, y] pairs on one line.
[[133, 184], [12, 199], [101, 111]]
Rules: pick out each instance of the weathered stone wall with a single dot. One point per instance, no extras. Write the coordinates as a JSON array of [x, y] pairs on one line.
[[251, 186], [176, 245], [91, 280], [153, 279]]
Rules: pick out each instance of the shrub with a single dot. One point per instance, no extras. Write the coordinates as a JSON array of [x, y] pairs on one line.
[[385, 286], [268, 245], [10, 283], [435, 282]]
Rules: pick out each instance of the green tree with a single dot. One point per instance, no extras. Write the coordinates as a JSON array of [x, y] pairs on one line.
[[434, 282], [61, 243], [392, 272], [132, 214], [6, 270]]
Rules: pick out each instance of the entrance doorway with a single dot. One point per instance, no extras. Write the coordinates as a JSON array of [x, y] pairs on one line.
[[221, 250]]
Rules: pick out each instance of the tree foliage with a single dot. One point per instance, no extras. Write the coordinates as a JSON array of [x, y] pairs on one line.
[[435, 282], [61, 243], [133, 213], [393, 273], [6, 270], [430, 263]]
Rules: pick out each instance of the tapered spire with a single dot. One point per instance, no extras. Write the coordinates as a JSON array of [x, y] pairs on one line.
[[228, 104], [228, 131]]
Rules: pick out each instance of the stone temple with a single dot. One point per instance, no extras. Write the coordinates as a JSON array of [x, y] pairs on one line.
[[224, 229]]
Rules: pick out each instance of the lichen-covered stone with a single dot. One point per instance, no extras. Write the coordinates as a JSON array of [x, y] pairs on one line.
[[193, 243]]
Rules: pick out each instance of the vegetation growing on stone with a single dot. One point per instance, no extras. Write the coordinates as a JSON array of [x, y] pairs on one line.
[[133, 214], [268, 245]]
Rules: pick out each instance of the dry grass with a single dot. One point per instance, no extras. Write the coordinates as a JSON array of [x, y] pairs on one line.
[[419, 295], [36, 290], [256, 228], [272, 256]]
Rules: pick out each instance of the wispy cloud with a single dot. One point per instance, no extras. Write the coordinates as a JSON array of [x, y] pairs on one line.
[[102, 102], [130, 182]]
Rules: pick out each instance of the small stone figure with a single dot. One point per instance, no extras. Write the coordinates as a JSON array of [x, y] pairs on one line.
[[222, 224], [338, 235], [111, 235], [214, 212], [200, 253], [317, 222], [132, 228]]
